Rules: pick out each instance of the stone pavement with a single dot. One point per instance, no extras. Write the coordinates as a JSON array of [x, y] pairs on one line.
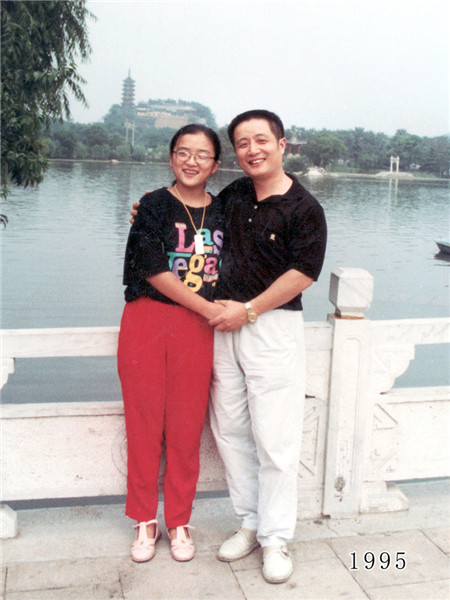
[[81, 553]]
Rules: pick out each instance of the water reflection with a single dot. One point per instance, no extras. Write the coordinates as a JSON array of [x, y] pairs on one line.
[[393, 192], [442, 256]]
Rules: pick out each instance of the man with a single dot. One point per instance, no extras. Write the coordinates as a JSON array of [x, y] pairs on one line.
[[273, 250]]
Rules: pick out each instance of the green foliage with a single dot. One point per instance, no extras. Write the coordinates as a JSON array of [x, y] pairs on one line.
[[353, 150], [203, 112], [139, 153], [116, 117], [435, 156], [151, 137], [322, 147], [123, 152], [81, 151], [40, 43], [228, 157], [296, 164], [365, 151]]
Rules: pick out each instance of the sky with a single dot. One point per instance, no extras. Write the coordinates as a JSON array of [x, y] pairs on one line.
[[323, 64]]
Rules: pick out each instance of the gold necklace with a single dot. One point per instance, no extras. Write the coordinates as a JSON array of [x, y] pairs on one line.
[[198, 240]]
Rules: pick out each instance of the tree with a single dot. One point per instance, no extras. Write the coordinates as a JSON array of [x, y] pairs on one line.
[[116, 117], [364, 150], [322, 147], [407, 147], [67, 143], [296, 164], [436, 156], [203, 112], [39, 46], [354, 141], [139, 154], [123, 152], [80, 151], [95, 135], [228, 156], [100, 152]]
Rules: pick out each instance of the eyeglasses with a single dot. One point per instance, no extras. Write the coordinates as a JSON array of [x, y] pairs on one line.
[[199, 158]]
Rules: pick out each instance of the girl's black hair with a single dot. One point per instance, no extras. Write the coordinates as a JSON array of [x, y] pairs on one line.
[[197, 128]]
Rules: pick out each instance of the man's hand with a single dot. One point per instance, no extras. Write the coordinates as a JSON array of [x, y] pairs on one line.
[[134, 211], [135, 207], [233, 317]]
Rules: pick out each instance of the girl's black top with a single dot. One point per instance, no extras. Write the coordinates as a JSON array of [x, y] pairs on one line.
[[162, 239]]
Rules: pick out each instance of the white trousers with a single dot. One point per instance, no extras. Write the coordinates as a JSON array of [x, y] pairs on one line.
[[257, 401]]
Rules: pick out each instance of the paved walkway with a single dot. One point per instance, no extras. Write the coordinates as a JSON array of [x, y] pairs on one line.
[[81, 553]]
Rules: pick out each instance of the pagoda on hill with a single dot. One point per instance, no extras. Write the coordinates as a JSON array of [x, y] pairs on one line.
[[128, 92]]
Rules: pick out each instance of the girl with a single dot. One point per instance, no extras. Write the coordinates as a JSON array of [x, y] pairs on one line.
[[165, 342]]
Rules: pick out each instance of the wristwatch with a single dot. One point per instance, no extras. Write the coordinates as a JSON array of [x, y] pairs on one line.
[[251, 315]]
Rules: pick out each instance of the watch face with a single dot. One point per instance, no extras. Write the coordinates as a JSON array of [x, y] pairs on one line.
[[251, 315]]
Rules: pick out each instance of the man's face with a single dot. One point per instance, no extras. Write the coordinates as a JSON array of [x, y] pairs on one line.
[[259, 153]]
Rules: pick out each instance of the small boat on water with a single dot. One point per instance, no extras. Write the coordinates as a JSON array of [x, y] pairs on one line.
[[444, 247]]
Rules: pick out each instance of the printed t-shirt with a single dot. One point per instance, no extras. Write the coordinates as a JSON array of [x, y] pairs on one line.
[[162, 239]]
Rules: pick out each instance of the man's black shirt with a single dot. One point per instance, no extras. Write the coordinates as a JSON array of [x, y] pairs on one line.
[[265, 239]]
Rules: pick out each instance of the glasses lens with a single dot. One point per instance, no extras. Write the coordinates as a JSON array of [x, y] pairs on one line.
[[184, 155], [203, 157]]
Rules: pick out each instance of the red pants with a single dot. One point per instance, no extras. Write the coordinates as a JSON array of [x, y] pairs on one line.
[[164, 361]]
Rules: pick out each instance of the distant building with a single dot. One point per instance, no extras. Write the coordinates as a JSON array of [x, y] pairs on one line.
[[128, 92], [159, 113], [170, 121], [167, 115], [293, 145]]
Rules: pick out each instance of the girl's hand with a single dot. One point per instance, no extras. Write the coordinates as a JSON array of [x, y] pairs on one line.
[[213, 311], [232, 317]]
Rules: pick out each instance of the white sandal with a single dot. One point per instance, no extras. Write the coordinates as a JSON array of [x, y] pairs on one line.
[[143, 548], [181, 546]]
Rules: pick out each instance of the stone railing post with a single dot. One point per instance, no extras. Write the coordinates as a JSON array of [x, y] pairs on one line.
[[7, 367], [351, 292]]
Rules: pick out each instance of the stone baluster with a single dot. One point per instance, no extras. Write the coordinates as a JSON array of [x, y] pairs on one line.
[[7, 367], [351, 292]]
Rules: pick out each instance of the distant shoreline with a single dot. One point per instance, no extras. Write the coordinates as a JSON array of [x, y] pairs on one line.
[[379, 178], [326, 174]]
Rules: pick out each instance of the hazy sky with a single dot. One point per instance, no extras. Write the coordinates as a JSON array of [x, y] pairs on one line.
[[336, 64]]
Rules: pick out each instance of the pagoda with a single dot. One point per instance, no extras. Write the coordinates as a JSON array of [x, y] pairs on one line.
[[128, 92], [293, 145]]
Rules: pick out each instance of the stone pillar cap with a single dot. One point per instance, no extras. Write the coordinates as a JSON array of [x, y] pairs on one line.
[[351, 291]]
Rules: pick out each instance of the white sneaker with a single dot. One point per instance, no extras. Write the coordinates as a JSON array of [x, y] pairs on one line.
[[277, 564], [238, 545]]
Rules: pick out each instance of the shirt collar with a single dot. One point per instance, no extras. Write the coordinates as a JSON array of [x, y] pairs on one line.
[[291, 194]]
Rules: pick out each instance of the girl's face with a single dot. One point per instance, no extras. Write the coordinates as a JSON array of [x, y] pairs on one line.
[[193, 161]]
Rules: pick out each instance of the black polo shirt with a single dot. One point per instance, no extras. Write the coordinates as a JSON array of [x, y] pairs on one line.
[[265, 239]]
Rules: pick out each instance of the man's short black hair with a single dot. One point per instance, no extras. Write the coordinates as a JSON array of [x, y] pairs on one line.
[[275, 123]]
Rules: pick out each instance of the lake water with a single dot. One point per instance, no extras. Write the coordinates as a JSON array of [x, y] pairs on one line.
[[63, 249]]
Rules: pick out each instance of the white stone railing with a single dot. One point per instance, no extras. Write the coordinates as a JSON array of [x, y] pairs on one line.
[[359, 434]]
